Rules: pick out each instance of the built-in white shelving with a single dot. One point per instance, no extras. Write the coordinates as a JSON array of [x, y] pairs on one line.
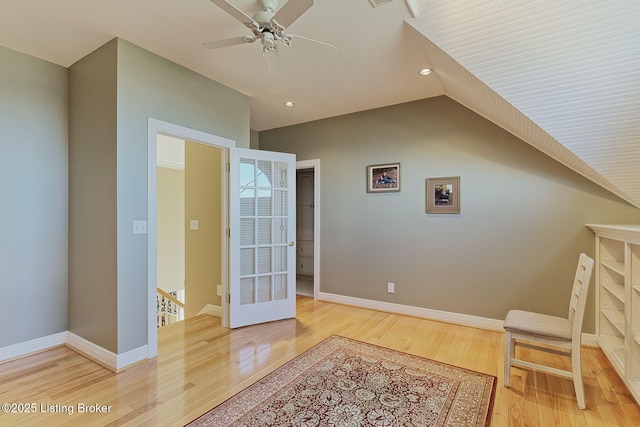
[[618, 299]]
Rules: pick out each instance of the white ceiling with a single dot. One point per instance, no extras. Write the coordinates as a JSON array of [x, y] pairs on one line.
[[562, 75]]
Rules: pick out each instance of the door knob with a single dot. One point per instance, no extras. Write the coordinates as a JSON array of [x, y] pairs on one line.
[[291, 243]]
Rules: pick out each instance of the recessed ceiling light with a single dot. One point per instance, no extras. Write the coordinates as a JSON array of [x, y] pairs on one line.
[[426, 71], [289, 104]]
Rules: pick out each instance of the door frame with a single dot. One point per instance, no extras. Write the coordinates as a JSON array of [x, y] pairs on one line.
[[314, 164], [155, 127]]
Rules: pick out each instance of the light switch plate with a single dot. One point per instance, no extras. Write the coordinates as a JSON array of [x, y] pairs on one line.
[[139, 227], [194, 224]]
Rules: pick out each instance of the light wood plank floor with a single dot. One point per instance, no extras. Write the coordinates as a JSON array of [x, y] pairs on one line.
[[200, 364]]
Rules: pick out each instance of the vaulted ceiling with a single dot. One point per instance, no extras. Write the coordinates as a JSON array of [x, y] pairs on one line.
[[563, 76]]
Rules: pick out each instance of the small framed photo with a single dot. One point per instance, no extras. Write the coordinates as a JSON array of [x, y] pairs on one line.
[[383, 178], [443, 195]]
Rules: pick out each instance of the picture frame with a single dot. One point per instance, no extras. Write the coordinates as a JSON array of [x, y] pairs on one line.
[[443, 195], [383, 178]]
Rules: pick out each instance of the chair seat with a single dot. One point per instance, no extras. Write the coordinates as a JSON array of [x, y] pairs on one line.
[[541, 325]]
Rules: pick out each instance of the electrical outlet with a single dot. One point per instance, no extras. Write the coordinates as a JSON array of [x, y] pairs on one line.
[[391, 287]]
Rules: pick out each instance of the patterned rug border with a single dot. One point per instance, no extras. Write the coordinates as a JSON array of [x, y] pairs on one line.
[[301, 359]]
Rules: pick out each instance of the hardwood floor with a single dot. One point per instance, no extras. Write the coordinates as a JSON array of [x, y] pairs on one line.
[[200, 364]]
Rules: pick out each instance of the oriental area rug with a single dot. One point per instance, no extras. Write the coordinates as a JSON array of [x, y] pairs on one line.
[[343, 382]]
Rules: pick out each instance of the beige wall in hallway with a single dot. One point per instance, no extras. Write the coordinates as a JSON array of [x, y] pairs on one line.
[[171, 228], [203, 247]]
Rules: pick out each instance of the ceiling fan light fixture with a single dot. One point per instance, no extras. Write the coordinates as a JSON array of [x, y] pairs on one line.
[[289, 103], [426, 71]]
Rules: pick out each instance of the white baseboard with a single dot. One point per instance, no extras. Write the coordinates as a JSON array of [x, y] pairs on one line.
[[32, 346], [212, 310], [106, 358], [93, 351], [424, 313], [117, 362], [588, 340]]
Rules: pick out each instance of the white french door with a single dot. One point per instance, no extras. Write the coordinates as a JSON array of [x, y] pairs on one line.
[[262, 225]]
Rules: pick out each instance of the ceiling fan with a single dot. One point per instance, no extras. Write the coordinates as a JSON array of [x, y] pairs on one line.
[[269, 27]]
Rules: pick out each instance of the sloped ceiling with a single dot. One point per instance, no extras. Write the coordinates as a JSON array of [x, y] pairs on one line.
[[562, 75]]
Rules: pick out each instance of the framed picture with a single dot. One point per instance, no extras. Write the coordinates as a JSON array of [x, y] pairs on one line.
[[383, 178], [443, 195]]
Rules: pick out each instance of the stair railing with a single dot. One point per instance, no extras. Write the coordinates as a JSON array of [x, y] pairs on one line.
[[170, 309]]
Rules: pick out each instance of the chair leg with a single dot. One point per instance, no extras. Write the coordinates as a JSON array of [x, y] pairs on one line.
[[576, 368], [509, 352]]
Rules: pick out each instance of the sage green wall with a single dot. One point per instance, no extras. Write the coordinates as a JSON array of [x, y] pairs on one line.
[[514, 244], [254, 139], [151, 86], [34, 189], [93, 197], [114, 91]]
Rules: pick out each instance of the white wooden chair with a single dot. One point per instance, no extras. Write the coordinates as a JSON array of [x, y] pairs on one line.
[[530, 330]]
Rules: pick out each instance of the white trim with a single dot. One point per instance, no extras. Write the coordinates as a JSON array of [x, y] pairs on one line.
[[104, 357], [32, 346], [425, 313], [154, 127], [588, 340], [170, 165], [315, 165], [212, 310], [117, 362]]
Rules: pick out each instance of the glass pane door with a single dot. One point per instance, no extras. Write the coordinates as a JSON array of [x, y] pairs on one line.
[[262, 223]]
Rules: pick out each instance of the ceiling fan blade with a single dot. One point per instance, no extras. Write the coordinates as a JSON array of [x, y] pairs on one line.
[[235, 12], [290, 12], [273, 60], [300, 42], [229, 42]]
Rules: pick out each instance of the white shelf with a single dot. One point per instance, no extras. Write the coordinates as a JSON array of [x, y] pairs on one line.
[[615, 266], [616, 318], [618, 298], [615, 345], [615, 290]]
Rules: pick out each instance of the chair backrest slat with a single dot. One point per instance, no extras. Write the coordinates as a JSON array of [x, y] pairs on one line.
[[579, 293]]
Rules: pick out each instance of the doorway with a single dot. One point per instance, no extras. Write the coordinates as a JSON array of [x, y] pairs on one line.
[[189, 229], [258, 257], [155, 128], [308, 227]]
